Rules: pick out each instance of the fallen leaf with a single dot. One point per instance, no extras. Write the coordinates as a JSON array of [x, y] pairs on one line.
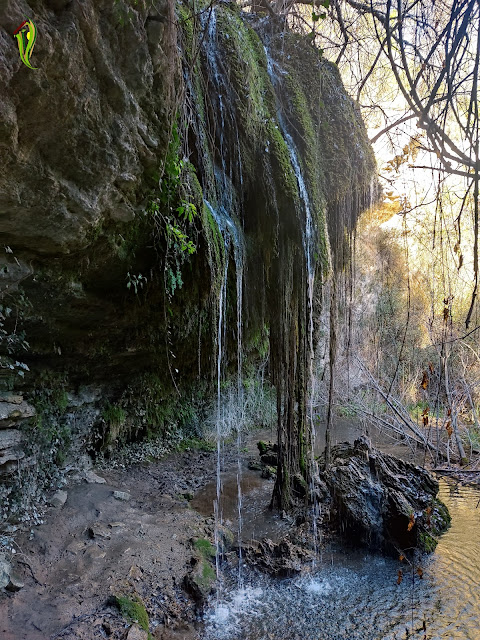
[[411, 522], [424, 383], [449, 429]]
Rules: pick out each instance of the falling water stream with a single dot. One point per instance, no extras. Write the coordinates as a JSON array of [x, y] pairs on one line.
[[309, 245], [233, 241], [232, 237], [354, 595]]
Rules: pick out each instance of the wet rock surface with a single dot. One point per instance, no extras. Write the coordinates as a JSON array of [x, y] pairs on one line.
[[381, 501], [281, 559], [13, 412], [94, 123]]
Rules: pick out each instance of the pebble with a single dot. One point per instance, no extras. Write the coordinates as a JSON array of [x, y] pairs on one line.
[[121, 495], [137, 633], [92, 478], [99, 530], [5, 571], [15, 584], [58, 499]]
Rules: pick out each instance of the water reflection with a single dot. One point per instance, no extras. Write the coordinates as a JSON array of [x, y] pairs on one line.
[[355, 596]]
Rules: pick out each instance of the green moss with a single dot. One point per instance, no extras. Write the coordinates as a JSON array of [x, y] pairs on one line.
[[204, 575], [262, 447], [440, 517], [208, 575], [133, 610], [279, 151], [248, 71], [215, 248], [114, 415], [259, 341], [427, 542], [205, 548], [195, 444]]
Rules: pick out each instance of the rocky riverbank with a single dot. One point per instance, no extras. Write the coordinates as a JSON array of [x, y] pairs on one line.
[[114, 548], [127, 552]]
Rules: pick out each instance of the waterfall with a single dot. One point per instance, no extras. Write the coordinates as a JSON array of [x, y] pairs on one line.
[[209, 23], [232, 238], [309, 244], [308, 235]]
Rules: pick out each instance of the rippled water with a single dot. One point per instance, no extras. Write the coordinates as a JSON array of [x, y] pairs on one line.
[[355, 596]]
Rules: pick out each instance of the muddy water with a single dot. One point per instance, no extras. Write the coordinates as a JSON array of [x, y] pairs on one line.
[[355, 595]]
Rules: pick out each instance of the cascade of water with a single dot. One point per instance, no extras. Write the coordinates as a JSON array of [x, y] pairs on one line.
[[228, 229], [239, 265], [219, 421], [309, 242], [232, 237], [225, 107]]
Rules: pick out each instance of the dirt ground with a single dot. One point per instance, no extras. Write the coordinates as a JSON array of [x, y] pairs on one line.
[[96, 546]]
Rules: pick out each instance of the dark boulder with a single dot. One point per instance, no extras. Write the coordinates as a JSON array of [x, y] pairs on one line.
[[280, 559], [383, 502]]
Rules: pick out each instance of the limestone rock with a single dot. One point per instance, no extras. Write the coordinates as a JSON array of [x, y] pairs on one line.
[[137, 633], [9, 438], [58, 499], [92, 478], [122, 212], [5, 571], [200, 582], [12, 412], [92, 92], [99, 530], [7, 396], [10, 450], [121, 495], [282, 559]]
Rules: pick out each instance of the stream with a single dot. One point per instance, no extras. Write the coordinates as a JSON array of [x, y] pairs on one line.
[[354, 595]]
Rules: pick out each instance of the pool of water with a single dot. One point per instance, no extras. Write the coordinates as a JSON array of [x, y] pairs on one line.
[[355, 595]]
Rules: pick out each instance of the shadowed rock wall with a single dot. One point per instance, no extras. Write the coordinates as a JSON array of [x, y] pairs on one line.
[[138, 113]]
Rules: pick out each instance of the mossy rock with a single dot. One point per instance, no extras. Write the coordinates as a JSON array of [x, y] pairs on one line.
[[205, 548], [133, 610], [200, 582]]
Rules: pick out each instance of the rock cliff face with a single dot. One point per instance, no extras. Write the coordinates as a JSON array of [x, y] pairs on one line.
[[173, 186], [79, 132]]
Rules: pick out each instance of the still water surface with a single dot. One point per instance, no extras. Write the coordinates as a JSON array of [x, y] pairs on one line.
[[355, 595]]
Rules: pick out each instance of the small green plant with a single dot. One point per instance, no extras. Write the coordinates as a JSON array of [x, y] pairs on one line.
[[180, 239], [135, 281], [427, 542], [205, 548], [173, 213], [114, 415], [208, 575], [195, 444], [205, 577]]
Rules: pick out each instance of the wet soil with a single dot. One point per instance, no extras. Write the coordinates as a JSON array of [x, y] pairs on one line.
[[96, 546]]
